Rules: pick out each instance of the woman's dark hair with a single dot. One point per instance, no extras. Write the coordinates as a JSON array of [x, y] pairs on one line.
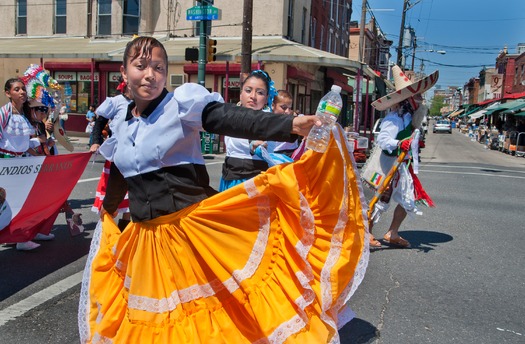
[[9, 83], [262, 75], [142, 47], [25, 107]]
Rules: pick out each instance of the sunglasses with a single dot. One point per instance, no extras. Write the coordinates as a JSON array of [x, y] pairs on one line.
[[41, 108]]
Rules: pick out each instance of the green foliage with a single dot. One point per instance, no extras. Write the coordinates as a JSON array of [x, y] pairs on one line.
[[437, 104]]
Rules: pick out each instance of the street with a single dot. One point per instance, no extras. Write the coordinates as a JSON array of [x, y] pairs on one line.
[[461, 282]]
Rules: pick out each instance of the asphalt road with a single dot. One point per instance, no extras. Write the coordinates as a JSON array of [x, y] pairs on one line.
[[463, 279], [461, 282]]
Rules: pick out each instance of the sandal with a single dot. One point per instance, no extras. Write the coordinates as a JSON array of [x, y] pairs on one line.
[[374, 242], [399, 241]]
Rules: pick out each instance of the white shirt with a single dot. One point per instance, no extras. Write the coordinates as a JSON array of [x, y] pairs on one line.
[[165, 138], [17, 134], [391, 125]]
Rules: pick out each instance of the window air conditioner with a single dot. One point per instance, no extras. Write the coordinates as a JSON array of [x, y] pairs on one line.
[[177, 79]]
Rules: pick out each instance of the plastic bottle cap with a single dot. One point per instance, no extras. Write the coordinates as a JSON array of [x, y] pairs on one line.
[[336, 88]]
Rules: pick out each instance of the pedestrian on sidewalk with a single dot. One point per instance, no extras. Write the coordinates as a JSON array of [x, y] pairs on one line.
[[90, 117]]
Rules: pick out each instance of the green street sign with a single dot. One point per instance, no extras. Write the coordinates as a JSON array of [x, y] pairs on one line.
[[203, 13]]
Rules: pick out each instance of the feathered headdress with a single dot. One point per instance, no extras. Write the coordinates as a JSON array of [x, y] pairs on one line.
[[37, 81]]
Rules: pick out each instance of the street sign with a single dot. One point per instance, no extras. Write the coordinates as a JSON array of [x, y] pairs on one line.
[[203, 13]]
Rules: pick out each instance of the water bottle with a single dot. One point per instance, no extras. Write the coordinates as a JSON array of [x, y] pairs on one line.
[[328, 109]]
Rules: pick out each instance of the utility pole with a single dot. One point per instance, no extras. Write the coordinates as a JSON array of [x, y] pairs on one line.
[[401, 33], [203, 36], [246, 48], [362, 32], [406, 7], [414, 45]]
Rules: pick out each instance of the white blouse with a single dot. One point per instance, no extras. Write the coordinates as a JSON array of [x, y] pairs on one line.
[[164, 138]]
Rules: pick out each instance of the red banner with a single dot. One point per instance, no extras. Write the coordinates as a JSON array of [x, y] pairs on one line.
[[32, 191]]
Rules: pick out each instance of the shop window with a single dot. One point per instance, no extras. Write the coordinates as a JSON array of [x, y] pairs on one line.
[[233, 89], [114, 79], [131, 16], [76, 90], [104, 17], [21, 17], [60, 16]]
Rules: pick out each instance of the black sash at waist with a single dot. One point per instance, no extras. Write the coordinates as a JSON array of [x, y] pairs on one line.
[[236, 168]]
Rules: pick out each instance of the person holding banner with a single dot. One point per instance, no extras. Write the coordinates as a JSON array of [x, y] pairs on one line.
[[272, 260], [396, 137], [16, 131]]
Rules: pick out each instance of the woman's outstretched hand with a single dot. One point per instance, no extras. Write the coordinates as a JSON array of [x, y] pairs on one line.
[[301, 125]]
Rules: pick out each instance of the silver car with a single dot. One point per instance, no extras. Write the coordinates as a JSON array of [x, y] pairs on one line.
[[442, 126]]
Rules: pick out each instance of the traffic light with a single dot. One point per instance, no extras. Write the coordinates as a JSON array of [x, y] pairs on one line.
[[211, 50], [191, 54]]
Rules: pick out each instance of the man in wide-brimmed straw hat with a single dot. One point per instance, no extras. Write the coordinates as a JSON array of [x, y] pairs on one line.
[[405, 115]]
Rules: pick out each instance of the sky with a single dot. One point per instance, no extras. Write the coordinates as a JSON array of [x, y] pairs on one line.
[[471, 32]]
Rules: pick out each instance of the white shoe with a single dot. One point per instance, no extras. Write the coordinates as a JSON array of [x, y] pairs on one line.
[[27, 246], [43, 237]]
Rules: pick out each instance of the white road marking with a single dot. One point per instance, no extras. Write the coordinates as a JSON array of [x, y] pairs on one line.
[[474, 174], [39, 298], [88, 180], [470, 167], [505, 330]]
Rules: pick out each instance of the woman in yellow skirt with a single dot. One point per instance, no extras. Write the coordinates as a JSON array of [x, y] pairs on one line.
[[272, 260]]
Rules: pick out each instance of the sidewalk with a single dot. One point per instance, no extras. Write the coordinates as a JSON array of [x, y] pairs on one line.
[[79, 142]]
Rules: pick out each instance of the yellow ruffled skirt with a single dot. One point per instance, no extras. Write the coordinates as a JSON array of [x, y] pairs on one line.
[[272, 260]]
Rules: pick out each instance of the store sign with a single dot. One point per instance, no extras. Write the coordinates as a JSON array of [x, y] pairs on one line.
[[114, 76], [86, 76], [65, 76], [232, 83]]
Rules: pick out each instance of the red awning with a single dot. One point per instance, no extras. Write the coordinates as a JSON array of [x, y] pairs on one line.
[[514, 95], [487, 101], [507, 96]]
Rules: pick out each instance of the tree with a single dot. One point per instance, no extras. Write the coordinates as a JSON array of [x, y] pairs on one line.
[[437, 104]]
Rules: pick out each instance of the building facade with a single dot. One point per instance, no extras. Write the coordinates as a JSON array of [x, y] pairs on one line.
[[303, 44]]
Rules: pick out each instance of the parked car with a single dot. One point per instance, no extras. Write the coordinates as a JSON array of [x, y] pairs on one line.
[[442, 126]]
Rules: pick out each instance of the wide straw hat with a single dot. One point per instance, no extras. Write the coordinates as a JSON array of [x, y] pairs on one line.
[[405, 88]]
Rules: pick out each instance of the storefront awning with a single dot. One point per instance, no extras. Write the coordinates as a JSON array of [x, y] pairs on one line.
[[63, 47], [515, 109], [505, 106], [477, 114], [456, 113], [482, 112], [264, 48]]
